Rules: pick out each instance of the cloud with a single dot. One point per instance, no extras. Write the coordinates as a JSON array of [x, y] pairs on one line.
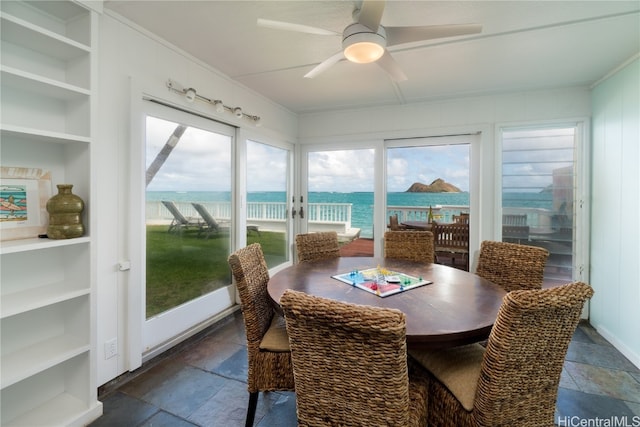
[[425, 164], [201, 161]]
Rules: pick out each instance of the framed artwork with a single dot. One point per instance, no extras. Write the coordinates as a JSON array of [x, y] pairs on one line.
[[23, 202]]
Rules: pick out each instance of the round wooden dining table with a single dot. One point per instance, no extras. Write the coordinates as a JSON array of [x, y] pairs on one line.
[[457, 308]]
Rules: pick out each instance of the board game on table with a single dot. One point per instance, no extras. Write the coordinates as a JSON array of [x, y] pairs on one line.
[[381, 281]]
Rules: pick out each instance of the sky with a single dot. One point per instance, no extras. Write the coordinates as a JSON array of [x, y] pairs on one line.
[[353, 170], [201, 162]]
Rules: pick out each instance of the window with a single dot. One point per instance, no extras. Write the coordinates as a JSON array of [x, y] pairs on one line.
[[539, 194]]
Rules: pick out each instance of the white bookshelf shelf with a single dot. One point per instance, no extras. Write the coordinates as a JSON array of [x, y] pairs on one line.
[[33, 83], [41, 296], [26, 245], [42, 136], [36, 358], [30, 36]]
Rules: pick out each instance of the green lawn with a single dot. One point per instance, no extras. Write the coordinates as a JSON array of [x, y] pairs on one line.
[[181, 266]]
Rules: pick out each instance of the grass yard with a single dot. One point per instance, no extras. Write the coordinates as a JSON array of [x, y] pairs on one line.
[[181, 266]]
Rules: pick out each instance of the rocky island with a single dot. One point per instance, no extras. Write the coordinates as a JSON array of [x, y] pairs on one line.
[[437, 186]]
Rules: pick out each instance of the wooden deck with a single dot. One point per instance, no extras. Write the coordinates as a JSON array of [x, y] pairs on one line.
[[357, 247]]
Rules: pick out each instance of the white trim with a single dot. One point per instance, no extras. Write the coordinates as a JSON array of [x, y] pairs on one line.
[[615, 71], [145, 336], [188, 333]]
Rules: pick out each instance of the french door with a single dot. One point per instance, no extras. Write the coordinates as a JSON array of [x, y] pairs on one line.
[[339, 188], [267, 195]]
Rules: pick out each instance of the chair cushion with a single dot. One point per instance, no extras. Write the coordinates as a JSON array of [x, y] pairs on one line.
[[276, 338], [456, 368]]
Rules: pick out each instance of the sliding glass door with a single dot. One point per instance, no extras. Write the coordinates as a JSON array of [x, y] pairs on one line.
[[188, 221], [427, 181]]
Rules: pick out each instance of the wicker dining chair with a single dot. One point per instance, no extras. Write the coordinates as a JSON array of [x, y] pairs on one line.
[[350, 364], [317, 246], [269, 356], [409, 245], [514, 381], [512, 266]]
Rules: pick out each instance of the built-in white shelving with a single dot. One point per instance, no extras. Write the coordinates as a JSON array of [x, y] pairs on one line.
[[47, 307]]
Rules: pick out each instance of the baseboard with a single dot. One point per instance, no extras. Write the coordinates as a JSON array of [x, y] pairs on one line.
[[620, 346]]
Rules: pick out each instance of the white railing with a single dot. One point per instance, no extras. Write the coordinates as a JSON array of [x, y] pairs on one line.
[[331, 216], [268, 215], [330, 213], [421, 213]]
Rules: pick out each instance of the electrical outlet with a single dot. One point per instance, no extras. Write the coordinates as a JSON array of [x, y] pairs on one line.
[[110, 348]]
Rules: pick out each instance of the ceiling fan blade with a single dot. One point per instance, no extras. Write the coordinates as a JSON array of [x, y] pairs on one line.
[[325, 65], [400, 35], [392, 68], [370, 14], [299, 28]]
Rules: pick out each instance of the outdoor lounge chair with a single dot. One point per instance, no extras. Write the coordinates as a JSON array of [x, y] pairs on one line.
[[179, 221], [210, 225]]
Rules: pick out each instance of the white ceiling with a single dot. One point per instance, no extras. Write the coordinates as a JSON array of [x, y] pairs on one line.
[[524, 45]]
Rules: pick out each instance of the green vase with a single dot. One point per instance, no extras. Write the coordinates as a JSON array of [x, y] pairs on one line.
[[65, 209]]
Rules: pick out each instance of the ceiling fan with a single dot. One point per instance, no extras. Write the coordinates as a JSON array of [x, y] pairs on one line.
[[365, 40]]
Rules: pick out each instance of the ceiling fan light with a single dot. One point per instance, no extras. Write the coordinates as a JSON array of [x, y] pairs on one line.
[[361, 45], [364, 52]]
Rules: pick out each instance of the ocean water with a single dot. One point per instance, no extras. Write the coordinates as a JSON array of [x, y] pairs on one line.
[[362, 202]]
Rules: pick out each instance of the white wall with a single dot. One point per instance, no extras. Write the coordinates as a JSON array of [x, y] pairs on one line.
[[126, 53], [615, 230], [446, 116]]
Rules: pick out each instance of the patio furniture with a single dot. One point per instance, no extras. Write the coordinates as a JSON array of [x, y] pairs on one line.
[[210, 225], [511, 265], [179, 221], [515, 233], [510, 219], [418, 225], [350, 364], [410, 245], [451, 241], [394, 225], [254, 228], [463, 218], [514, 381], [316, 246], [269, 356]]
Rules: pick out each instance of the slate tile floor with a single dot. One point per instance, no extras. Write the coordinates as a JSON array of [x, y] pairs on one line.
[[203, 383]]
